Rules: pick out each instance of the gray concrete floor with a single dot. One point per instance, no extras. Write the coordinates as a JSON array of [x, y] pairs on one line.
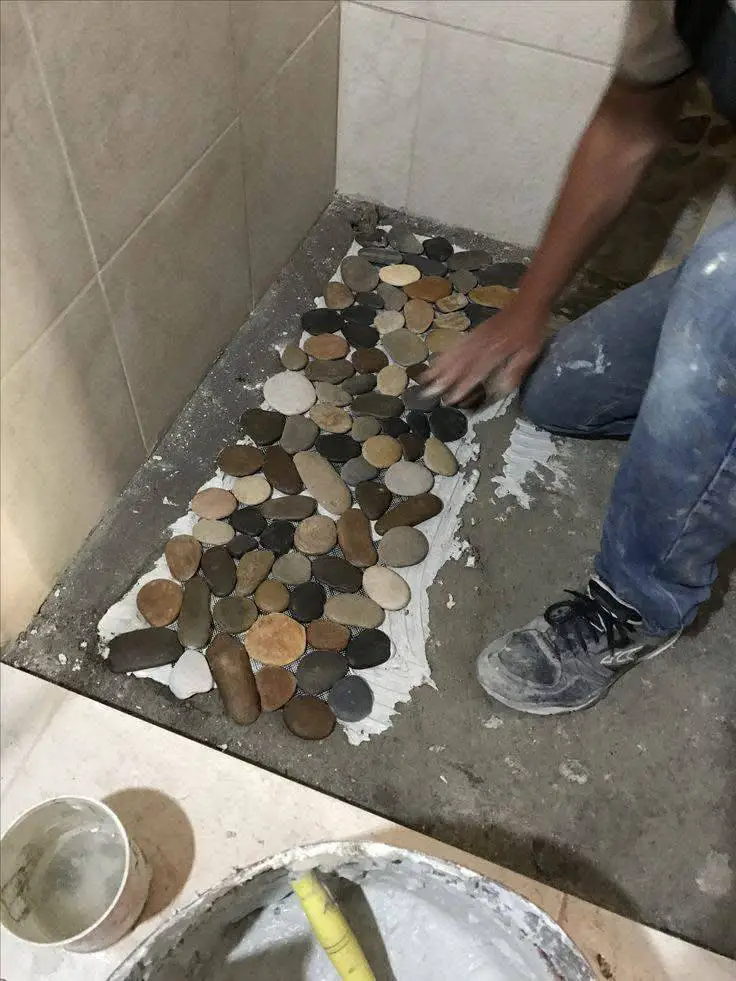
[[631, 805]]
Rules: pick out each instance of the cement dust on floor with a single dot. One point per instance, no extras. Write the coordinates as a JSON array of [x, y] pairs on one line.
[[630, 805]]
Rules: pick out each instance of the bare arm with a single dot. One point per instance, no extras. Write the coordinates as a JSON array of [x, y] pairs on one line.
[[628, 129]]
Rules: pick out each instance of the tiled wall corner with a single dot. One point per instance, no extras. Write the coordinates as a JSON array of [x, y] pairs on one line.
[[289, 136]]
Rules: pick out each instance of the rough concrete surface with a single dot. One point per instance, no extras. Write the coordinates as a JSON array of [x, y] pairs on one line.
[[631, 805]]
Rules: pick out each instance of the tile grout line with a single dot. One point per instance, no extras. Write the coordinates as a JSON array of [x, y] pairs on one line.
[[488, 34], [80, 210]]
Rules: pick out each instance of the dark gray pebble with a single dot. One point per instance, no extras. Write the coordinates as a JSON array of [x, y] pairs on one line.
[[337, 574], [248, 521], [437, 248], [278, 537], [219, 569], [263, 426], [418, 423], [321, 321], [307, 602], [368, 649], [351, 699], [448, 424], [337, 448], [147, 648], [318, 671]]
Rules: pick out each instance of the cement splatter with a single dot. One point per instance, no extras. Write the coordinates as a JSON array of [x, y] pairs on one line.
[[716, 877], [530, 452]]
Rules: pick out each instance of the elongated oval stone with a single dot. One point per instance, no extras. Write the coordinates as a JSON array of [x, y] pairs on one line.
[[212, 532], [194, 626], [233, 674], [379, 406], [326, 635], [354, 610], [280, 472], [291, 508], [213, 502], [147, 648], [337, 574], [183, 554], [252, 570], [240, 461], [411, 512], [323, 482], [318, 671], [356, 541], [386, 587], [219, 570]]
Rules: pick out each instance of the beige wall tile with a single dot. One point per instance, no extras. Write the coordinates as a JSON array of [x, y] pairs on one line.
[[70, 442], [289, 136], [180, 287], [44, 258], [380, 78], [266, 33], [497, 125], [140, 89]]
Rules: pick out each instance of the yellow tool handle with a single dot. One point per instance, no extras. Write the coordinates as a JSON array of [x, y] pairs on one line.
[[332, 930]]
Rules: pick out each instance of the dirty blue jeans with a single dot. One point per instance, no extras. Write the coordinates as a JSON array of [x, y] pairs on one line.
[[657, 363]]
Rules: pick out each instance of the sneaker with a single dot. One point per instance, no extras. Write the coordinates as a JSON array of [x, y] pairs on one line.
[[569, 658]]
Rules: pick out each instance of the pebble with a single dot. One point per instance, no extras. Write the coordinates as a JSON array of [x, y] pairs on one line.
[[280, 472], [401, 547], [338, 448], [220, 571], [355, 538], [323, 482], [183, 553], [388, 320], [425, 265], [369, 361], [351, 699], [276, 686], [363, 428], [272, 597], [399, 274], [392, 380], [252, 490], [149, 647], [476, 314], [439, 341], [354, 610], [417, 397], [418, 423], [380, 406], [293, 508], [463, 280], [233, 675], [240, 461], [248, 521], [159, 601], [241, 544], [318, 671], [411, 512], [327, 347], [190, 675], [360, 384], [415, 371], [405, 347], [293, 569], [299, 434], [405, 479], [386, 588], [331, 418], [262, 426], [452, 303], [375, 236], [293, 358], [337, 296], [502, 274], [329, 371], [373, 499], [316, 535], [332, 394], [380, 256], [492, 296], [473, 259], [276, 639], [307, 602], [321, 321], [355, 471], [394, 427], [403, 239], [358, 316], [438, 248], [412, 446], [372, 300], [393, 298], [368, 649], [361, 335], [326, 635], [439, 458], [448, 424], [278, 537], [234, 614], [358, 274], [208, 531], [382, 451], [252, 570], [429, 288], [194, 626], [337, 573], [418, 315], [309, 718], [289, 392], [452, 321]]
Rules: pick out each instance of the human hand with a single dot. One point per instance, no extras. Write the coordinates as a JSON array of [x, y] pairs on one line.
[[505, 346]]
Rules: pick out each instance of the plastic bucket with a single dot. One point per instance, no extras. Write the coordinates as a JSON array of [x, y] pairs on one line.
[[70, 876]]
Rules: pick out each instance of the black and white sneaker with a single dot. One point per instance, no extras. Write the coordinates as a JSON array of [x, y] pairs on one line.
[[568, 659]]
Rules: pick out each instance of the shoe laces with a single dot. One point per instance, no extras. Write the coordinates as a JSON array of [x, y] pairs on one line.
[[581, 622]]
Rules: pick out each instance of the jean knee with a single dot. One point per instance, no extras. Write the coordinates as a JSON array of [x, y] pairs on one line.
[[540, 401], [713, 259]]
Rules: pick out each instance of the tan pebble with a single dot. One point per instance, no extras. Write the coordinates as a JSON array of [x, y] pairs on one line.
[[276, 639], [183, 554], [293, 358], [355, 538], [492, 296], [233, 674], [252, 490], [212, 532], [388, 320], [430, 288], [451, 303], [332, 394], [213, 502], [326, 635], [442, 340], [452, 321], [418, 315], [315, 535], [386, 588], [252, 570], [439, 458], [337, 296], [392, 380], [323, 482], [382, 451], [275, 686], [327, 347], [399, 274], [159, 601], [331, 418], [353, 610], [271, 597]]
